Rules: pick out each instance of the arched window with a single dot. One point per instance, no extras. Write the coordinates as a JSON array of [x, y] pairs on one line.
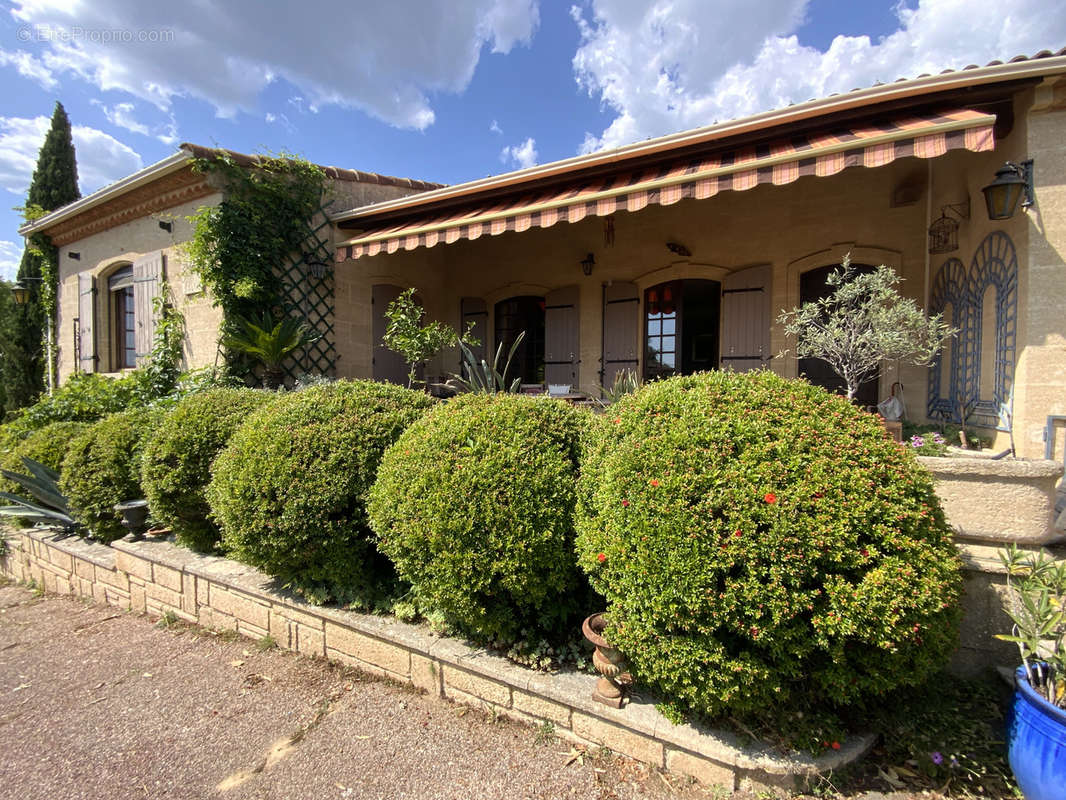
[[122, 318], [975, 372]]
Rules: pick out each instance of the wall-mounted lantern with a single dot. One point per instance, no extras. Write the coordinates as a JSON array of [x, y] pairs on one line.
[[316, 267], [1013, 183], [21, 292], [587, 263]]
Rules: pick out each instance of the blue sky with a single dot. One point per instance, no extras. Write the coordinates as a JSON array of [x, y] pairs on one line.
[[450, 90]]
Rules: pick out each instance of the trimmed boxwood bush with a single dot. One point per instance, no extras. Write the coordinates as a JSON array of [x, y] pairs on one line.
[[102, 468], [176, 465], [474, 504], [47, 446], [289, 490], [763, 543]]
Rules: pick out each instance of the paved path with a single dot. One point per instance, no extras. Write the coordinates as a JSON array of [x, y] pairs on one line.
[[97, 703]]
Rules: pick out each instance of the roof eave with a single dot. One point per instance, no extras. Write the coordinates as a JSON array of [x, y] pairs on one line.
[[150, 173], [916, 87]]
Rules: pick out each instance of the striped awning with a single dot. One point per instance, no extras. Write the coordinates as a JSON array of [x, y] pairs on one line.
[[777, 163]]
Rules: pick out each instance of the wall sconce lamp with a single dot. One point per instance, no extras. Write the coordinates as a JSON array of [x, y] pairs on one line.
[[166, 226], [75, 256], [587, 263], [1012, 183], [678, 249], [21, 292], [315, 266], [944, 232]]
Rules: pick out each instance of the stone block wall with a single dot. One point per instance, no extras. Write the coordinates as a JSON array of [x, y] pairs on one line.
[[156, 577]]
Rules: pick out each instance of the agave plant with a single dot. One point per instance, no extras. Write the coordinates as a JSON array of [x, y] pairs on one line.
[[48, 507], [625, 382], [482, 378], [269, 342]]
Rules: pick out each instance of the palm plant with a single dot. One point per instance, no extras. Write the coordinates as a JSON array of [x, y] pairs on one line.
[[48, 506], [269, 342], [480, 377]]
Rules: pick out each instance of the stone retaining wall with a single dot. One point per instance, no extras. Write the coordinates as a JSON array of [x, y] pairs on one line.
[[157, 577]]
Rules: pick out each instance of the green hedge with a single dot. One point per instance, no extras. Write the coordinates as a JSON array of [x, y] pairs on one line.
[[474, 505], [102, 468], [48, 446], [176, 464], [762, 543], [288, 491]]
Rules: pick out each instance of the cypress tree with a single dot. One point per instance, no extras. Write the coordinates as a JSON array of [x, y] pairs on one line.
[[54, 184]]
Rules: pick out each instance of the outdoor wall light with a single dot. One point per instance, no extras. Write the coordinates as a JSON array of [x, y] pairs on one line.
[[587, 263], [21, 292], [315, 266], [1012, 183]]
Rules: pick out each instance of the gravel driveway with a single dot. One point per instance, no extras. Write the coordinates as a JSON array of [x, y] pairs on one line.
[[98, 703]]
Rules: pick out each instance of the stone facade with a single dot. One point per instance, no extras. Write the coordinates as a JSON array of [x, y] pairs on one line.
[[879, 216], [157, 578]]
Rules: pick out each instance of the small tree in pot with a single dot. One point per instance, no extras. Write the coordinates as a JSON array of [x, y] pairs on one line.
[[863, 322]]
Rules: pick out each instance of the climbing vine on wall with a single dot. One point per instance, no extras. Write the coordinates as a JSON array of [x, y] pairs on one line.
[[239, 246]]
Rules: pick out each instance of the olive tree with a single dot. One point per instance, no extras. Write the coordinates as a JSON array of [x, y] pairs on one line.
[[405, 334], [863, 322]]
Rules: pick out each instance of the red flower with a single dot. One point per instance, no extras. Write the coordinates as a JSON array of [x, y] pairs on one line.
[[625, 504], [617, 420], [654, 482], [865, 552], [769, 497], [601, 557], [835, 745], [737, 533]]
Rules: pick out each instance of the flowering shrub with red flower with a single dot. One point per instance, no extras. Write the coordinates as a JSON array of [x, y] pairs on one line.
[[474, 505], [791, 554], [289, 490]]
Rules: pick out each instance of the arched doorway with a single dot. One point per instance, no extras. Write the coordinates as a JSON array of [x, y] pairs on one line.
[[513, 316], [681, 320]]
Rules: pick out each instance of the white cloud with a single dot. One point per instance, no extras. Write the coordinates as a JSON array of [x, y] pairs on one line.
[[384, 58], [520, 155], [102, 159], [121, 116], [10, 256], [280, 119], [168, 133], [668, 65], [28, 66], [495, 127]]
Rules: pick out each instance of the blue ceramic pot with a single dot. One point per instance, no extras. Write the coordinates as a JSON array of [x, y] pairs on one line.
[[1036, 743]]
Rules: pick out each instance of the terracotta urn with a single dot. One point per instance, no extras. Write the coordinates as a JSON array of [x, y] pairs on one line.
[[608, 662]]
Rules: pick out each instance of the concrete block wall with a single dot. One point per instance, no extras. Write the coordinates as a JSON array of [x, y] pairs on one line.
[[157, 577]]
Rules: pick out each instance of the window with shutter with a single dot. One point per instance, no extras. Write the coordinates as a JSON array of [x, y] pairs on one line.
[[621, 330], [148, 276], [86, 322], [746, 319], [476, 311], [561, 337]]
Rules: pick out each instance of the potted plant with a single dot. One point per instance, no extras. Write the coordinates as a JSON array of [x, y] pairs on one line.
[[1036, 733]]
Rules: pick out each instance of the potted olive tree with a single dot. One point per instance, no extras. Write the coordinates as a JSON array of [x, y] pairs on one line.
[[863, 322]]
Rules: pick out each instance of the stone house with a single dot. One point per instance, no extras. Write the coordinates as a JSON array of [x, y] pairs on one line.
[[666, 256], [118, 246], [678, 253]]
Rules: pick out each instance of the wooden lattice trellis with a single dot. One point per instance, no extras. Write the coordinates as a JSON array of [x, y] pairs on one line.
[[307, 293]]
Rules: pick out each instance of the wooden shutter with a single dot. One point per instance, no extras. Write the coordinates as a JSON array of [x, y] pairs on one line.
[[621, 329], [86, 322], [147, 285], [562, 322], [388, 365], [474, 310], [746, 319]]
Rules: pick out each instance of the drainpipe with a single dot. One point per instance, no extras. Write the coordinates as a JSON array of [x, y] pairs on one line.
[[928, 223]]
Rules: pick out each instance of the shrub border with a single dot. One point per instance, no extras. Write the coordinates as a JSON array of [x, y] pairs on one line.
[[157, 576]]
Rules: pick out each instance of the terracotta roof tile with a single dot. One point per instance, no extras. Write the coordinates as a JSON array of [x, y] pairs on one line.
[[337, 173]]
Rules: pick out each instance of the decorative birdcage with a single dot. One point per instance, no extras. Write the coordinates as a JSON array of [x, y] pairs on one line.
[[944, 232]]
